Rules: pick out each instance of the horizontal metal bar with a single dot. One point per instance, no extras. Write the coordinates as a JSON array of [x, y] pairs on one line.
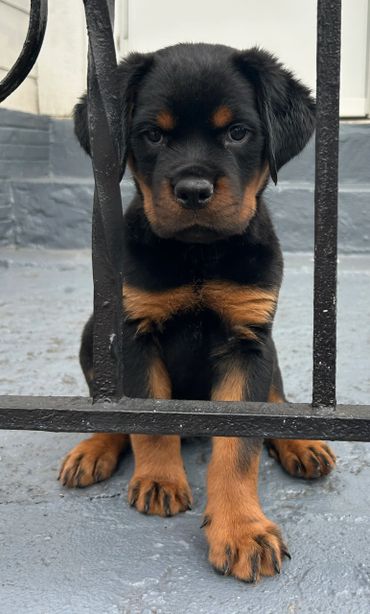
[[197, 418]]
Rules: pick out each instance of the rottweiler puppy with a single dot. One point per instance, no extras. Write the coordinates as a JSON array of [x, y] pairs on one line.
[[207, 127]]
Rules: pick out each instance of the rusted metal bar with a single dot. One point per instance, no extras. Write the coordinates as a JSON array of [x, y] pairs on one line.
[[207, 418], [326, 202], [30, 50]]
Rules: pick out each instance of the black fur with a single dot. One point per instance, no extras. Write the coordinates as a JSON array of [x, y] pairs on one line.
[[285, 106]]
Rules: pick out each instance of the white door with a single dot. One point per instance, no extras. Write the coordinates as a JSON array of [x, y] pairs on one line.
[[285, 27]]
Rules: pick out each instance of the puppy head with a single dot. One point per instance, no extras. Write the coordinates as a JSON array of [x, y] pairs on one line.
[[206, 126]]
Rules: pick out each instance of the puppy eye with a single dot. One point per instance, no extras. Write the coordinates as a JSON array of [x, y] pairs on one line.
[[154, 136], [237, 133]]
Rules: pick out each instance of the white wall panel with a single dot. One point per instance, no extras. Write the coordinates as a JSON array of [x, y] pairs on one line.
[[62, 60], [286, 27], [13, 29]]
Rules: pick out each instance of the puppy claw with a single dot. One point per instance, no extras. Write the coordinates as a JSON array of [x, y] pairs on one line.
[[275, 562], [166, 505], [298, 468], [134, 494], [148, 498], [255, 563], [206, 520]]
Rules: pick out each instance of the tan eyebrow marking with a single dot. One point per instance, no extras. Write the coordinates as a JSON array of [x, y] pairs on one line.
[[166, 120], [222, 117]]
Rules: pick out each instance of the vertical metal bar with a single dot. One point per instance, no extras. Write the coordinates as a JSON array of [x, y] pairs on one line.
[[326, 202], [104, 130]]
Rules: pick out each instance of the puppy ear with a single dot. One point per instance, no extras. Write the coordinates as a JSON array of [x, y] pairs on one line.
[[129, 74], [285, 105]]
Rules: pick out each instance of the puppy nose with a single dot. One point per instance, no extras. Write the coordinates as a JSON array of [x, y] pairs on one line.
[[193, 193]]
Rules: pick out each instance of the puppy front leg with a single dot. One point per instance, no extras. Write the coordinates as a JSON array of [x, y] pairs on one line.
[[159, 484], [242, 541]]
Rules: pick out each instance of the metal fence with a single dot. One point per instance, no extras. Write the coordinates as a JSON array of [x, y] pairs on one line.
[[110, 411]]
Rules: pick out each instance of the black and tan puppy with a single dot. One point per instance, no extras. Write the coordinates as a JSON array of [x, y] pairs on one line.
[[208, 126]]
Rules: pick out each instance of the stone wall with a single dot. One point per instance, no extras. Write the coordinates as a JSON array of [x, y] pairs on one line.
[[46, 188]]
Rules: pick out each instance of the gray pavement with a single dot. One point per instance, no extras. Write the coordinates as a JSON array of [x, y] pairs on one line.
[[86, 551]]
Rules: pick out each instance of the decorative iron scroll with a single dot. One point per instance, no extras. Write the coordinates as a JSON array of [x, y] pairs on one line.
[[30, 50]]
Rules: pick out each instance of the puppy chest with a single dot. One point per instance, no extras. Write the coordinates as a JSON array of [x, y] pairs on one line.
[[239, 307]]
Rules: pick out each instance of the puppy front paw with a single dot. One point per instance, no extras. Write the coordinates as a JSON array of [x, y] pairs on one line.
[[92, 460], [246, 548]]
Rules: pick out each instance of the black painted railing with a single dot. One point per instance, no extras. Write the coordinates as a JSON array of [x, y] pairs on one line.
[[109, 410]]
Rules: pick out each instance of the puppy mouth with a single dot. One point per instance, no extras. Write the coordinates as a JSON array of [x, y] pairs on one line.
[[225, 214], [198, 234]]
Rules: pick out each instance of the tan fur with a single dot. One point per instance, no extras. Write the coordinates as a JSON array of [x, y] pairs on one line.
[[241, 539], [156, 307], [159, 380], [92, 460], [242, 307], [166, 120], [275, 396], [232, 385], [159, 484], [300, 457], [249, 202], [147, 200], [222, 117], [226, 212]]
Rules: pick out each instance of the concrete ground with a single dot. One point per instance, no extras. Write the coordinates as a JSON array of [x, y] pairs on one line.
[[86, 551]]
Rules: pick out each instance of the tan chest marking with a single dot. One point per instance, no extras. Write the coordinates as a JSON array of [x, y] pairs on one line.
[[241, 307], [154, 308]]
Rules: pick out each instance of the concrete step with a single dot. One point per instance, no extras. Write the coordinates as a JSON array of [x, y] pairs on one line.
[[86, 551]]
